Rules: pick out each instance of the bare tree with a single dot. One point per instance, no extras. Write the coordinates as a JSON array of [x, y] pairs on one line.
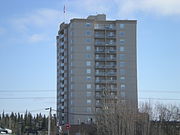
[[117, 117]]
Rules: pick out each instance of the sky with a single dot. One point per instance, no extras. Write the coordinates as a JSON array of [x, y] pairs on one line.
[[28, 32]]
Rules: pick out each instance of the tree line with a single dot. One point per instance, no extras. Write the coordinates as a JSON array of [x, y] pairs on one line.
[[26, 123]]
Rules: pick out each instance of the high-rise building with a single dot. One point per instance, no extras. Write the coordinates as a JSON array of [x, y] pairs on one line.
[[94, 55]]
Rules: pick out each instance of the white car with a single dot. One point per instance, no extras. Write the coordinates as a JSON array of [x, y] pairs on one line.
[[5, 131]]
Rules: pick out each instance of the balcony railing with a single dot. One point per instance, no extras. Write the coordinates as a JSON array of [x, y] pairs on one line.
[[105, 27], [109, 27], [110, 59], [99, 43], [105, 81], [99, 51], [105, 51], [105, 66], [100, 73], [100, 58], [110, 36], [99, 66], [101, 89], [99, 35], [110, 66], [110, 43], [110, 51]]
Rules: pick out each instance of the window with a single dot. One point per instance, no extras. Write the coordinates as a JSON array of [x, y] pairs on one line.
[[122, 94], [88, 33], [121, 49], [71, 86], [122, 86], [121, 26], [122, 78], [122, 41], [88, 63], [88, 86], [88, 94], [71, 79], [122, 71], [88, 40], [88, 56], [71, 94], [88, 78], [71, 102], [111, 26], [122, 33], [122, 64], [88, 24], [97, 87], [89, 109], [88, 48], [122, 56], [89, 101], [88, 71]]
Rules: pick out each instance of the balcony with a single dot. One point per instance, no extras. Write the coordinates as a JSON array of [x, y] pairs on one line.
[[99, 27], [110, 66], [99, 66], [99, 43], [110, 36], [62, 64], [99, 36], [62, 50], [62, 100], [110, 43], [111, 81], [110, 51], [99, 89], [111, 73], [100, 58], [62, 93], [105, 81], [109, 27], [99, 51], [98, 104], [100, 81], [105, 66], [100, 73], [111, 59], [98, 96]]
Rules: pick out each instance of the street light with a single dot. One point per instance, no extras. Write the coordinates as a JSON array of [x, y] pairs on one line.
[[49, 120]]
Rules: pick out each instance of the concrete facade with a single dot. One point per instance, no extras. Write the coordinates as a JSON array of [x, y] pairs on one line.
[[94, 55]]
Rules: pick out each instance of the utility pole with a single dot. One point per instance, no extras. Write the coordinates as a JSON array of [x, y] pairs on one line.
[[49, 120]]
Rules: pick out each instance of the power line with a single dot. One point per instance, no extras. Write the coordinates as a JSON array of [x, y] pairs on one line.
[[19, 98], [153, 91], [11, 91], [14, 98], [160, 98], [54, 90]]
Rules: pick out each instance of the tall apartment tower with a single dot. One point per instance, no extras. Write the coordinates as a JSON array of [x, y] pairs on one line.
[[94, 55]]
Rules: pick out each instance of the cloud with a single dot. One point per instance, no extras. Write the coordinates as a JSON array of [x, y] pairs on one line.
[[39, 18], [126, 8], [37, 38], [159, 7], [35, 26]]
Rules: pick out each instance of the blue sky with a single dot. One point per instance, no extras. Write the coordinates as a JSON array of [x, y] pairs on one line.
[[28, 47]]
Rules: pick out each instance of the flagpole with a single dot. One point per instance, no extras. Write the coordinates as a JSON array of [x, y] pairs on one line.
[[64, 13]]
